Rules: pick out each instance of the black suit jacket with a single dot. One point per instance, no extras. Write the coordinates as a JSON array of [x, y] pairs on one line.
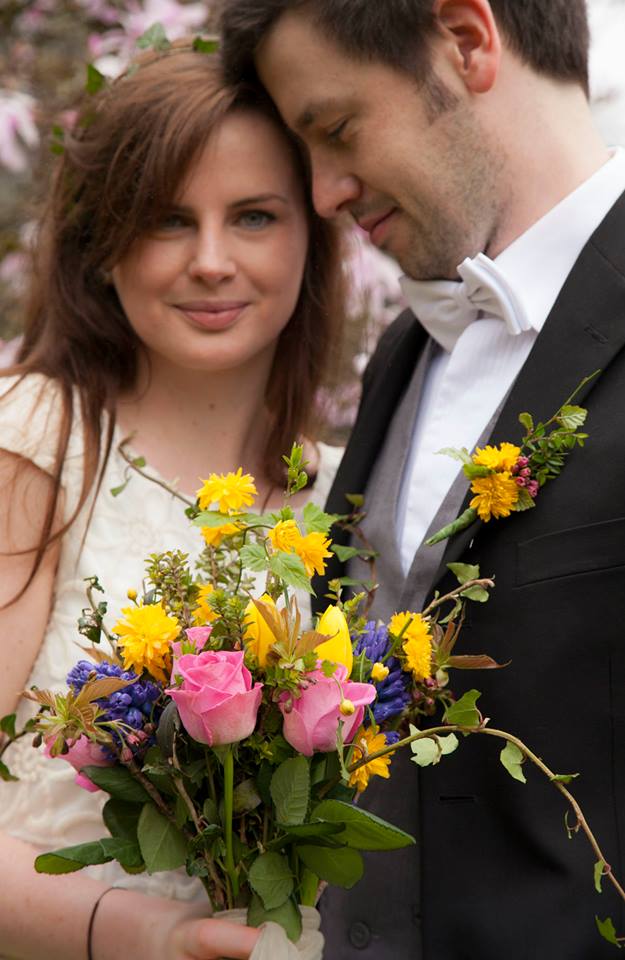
[[494, 874]]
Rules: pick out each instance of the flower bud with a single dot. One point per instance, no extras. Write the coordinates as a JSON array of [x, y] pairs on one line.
[[131, 594], [347, 708], [379, 672]]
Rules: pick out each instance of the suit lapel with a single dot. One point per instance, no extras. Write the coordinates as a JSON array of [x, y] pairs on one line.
[[583, 333]]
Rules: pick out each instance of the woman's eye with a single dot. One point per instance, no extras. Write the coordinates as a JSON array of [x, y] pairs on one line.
[[172, 221], [334, 135], [255, 219]]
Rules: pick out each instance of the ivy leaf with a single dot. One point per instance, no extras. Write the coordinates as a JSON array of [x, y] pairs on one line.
[[464, 571], [607, 931], [564, 777], [290, 790], [205, 46], [95, 81], [477, 594], [115, 491], [162, 846], [572, 418], [464, 713], [254, 557], [430, 750], [154, 38], [599, 866], [271, 878], [512, 758]]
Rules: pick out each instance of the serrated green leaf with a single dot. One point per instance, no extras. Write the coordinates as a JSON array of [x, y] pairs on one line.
[[254, 557], [362, 830], [607, 931], [290, 790], [271, 879], [162, 846], [212, 518], [342, 866], [289, 567], [464, 571], [512, 758], [118, 782], [95, 79], [599, 867], [317, 520], [464, 713], [348, 553], [121, 818], [461, 455], [524, 502], [572, 418], [287, 915]]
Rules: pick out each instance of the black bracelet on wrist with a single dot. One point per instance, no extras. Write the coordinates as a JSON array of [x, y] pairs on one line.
[[92, 919]]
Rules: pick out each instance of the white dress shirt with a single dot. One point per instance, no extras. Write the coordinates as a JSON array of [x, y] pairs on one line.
[[468, 379]]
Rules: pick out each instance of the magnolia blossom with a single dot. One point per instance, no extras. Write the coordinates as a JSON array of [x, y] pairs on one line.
[[18, 131]]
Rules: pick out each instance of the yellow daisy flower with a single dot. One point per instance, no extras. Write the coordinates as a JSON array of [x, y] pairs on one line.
[[230, 491], [502, 457], [313, 550], [214, 535], [495, 495], [145, 637], [370, 740], [285, 535], [417, 642], [203, 612]]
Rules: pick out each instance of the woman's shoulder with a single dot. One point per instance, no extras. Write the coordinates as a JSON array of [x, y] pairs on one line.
[[31, 411]]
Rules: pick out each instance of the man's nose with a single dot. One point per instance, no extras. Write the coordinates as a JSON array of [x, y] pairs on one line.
[[333, 191], [212, 258]]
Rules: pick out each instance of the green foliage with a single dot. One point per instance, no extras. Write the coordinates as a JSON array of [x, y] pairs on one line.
[[599, 869], [460, 523], [118, 782], [341, 866], [290, 790], [162, 846], [271, 879], [512, 758], [607, 931], [205, 46], [122, 818], [95, 80], [287, 915], [70, 859], [154, 38], [430, 750], [464, 713], [254, 557], [316, 520], [360, 829], [289, 568]]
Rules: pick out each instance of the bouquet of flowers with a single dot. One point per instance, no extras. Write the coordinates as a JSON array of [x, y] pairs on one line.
[[231, 739]]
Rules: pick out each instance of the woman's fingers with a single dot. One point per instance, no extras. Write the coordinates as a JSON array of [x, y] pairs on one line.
[[212, 939]]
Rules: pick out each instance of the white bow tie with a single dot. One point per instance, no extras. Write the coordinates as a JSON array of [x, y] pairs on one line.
[[447, 307]]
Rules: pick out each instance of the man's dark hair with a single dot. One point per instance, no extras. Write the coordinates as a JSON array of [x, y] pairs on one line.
[[552, 36]]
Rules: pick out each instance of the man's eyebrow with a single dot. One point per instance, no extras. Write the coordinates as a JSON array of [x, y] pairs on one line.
[[311, 111], [259, 198]]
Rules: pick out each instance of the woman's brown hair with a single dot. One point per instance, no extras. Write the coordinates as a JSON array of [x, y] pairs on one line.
[[133, 144]]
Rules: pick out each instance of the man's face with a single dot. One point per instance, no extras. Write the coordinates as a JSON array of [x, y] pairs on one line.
[[424, 183]]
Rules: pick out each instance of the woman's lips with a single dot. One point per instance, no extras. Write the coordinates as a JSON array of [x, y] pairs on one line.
[[212, 315]]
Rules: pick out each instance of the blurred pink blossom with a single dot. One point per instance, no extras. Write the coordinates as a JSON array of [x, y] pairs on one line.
[[18, 131]]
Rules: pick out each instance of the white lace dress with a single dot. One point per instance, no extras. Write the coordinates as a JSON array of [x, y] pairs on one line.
[[45, 807]]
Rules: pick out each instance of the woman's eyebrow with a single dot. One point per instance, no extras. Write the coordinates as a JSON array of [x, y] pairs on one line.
[[259, 198]]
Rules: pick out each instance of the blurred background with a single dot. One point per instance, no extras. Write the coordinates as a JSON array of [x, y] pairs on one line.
[[44, 48]]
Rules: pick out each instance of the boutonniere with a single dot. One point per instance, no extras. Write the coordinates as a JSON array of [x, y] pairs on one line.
[[509, 477]]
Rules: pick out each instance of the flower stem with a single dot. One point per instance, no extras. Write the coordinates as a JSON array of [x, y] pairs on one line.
[[228, 811]]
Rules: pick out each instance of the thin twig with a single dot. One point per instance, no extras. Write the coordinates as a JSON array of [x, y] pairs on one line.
[[160, 483]]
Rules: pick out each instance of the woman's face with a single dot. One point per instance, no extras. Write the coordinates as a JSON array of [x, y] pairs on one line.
[[214, 285]]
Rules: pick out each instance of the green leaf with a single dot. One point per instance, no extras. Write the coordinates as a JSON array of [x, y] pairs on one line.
[[289, 567], [430, 750], [212, 518], [290, 790], [342, 867], [572, 418], [271, 878], [287, 915], [117, 781], [599, 867], [607, 931], [464, 713], [477, 594], [162, 846], [95, 79], [317, 520], [460, 523], [154, 38], [462, 455], [318, 830], [205, 46], [246, 796], [512, 758], [115, 491], [564, 777], [526, 420], [121, 818], [362, 830], [5, 773], [7, 726], [464, 571], [355, 499], [348, 553], [254, 557], [473, 471], [525, 501], [70, 859], [126, 852]]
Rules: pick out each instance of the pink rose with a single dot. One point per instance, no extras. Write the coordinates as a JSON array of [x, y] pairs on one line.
[[216, 700], [312, 722], [196, 638], [83, 753]]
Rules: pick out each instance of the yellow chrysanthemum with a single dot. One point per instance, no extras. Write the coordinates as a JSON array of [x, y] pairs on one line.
[[285, 535], [313, 550], [502, 457], [230, 491], [495, 495], [145, 637], [203, 612], [416, 642], [214, 535], [371, 740]]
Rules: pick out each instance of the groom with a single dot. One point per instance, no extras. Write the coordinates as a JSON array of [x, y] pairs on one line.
[[457, 134]]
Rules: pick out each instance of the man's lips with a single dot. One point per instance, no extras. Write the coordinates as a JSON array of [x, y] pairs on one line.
[[212, 314], [376, 225]]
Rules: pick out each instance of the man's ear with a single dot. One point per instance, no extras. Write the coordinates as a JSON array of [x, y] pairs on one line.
[[473, 41]]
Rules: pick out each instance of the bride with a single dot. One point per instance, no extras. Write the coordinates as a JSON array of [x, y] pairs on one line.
[[184, 295]]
